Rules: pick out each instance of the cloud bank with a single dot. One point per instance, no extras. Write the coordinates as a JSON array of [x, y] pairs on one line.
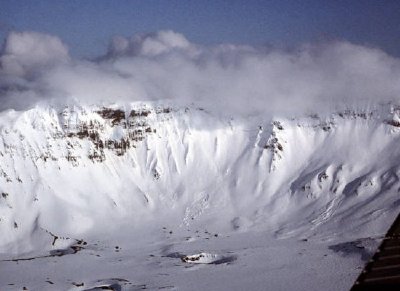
[[36, 67]]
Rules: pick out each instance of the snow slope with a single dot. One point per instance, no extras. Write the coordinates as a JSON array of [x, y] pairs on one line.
[[127, 173]]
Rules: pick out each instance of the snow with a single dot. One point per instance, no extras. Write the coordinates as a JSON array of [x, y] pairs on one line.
[[262, 202]]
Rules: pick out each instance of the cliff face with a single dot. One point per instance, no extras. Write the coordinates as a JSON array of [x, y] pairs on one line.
[[71, 170]]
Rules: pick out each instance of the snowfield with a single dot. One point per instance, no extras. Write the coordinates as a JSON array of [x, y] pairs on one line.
[[153, 196]]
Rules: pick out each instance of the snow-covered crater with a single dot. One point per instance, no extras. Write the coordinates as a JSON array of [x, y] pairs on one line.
[[72, 170]]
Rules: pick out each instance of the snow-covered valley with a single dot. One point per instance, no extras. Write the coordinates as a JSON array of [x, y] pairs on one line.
[[154, 196]]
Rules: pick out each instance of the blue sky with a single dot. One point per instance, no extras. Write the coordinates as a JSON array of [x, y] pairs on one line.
[[86, 26]]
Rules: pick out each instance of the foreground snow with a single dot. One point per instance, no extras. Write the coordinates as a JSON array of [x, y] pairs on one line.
[[254, 261], [132, 196]]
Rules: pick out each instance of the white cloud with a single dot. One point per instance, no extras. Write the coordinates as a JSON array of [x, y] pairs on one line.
[[25, 51], [150, 44], [229, 78]]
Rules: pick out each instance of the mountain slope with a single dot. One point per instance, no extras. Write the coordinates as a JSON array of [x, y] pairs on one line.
[[72, 171]]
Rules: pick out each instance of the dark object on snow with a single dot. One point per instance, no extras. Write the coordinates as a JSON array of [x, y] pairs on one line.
[[383, 271]]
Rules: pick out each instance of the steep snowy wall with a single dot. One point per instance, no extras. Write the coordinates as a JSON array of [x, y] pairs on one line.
[[72, 170]]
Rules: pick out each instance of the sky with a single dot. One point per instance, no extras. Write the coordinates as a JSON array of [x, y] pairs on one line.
[[86, 26], [241, 57]]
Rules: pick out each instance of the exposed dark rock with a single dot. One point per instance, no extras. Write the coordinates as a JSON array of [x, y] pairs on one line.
[[393, 123], [139, 113], [115, 115]]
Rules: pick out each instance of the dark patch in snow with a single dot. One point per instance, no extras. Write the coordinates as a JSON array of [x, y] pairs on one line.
[[225, 260], [78, 284], [115, 284], [351, 188], [393, 123], [208, 259], [365, 247], [53, 253], [175, 255]]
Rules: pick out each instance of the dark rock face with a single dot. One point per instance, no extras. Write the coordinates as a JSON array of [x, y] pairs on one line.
[[133, 123]]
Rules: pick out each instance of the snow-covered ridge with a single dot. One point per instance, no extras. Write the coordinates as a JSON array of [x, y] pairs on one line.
[[67, 171]]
